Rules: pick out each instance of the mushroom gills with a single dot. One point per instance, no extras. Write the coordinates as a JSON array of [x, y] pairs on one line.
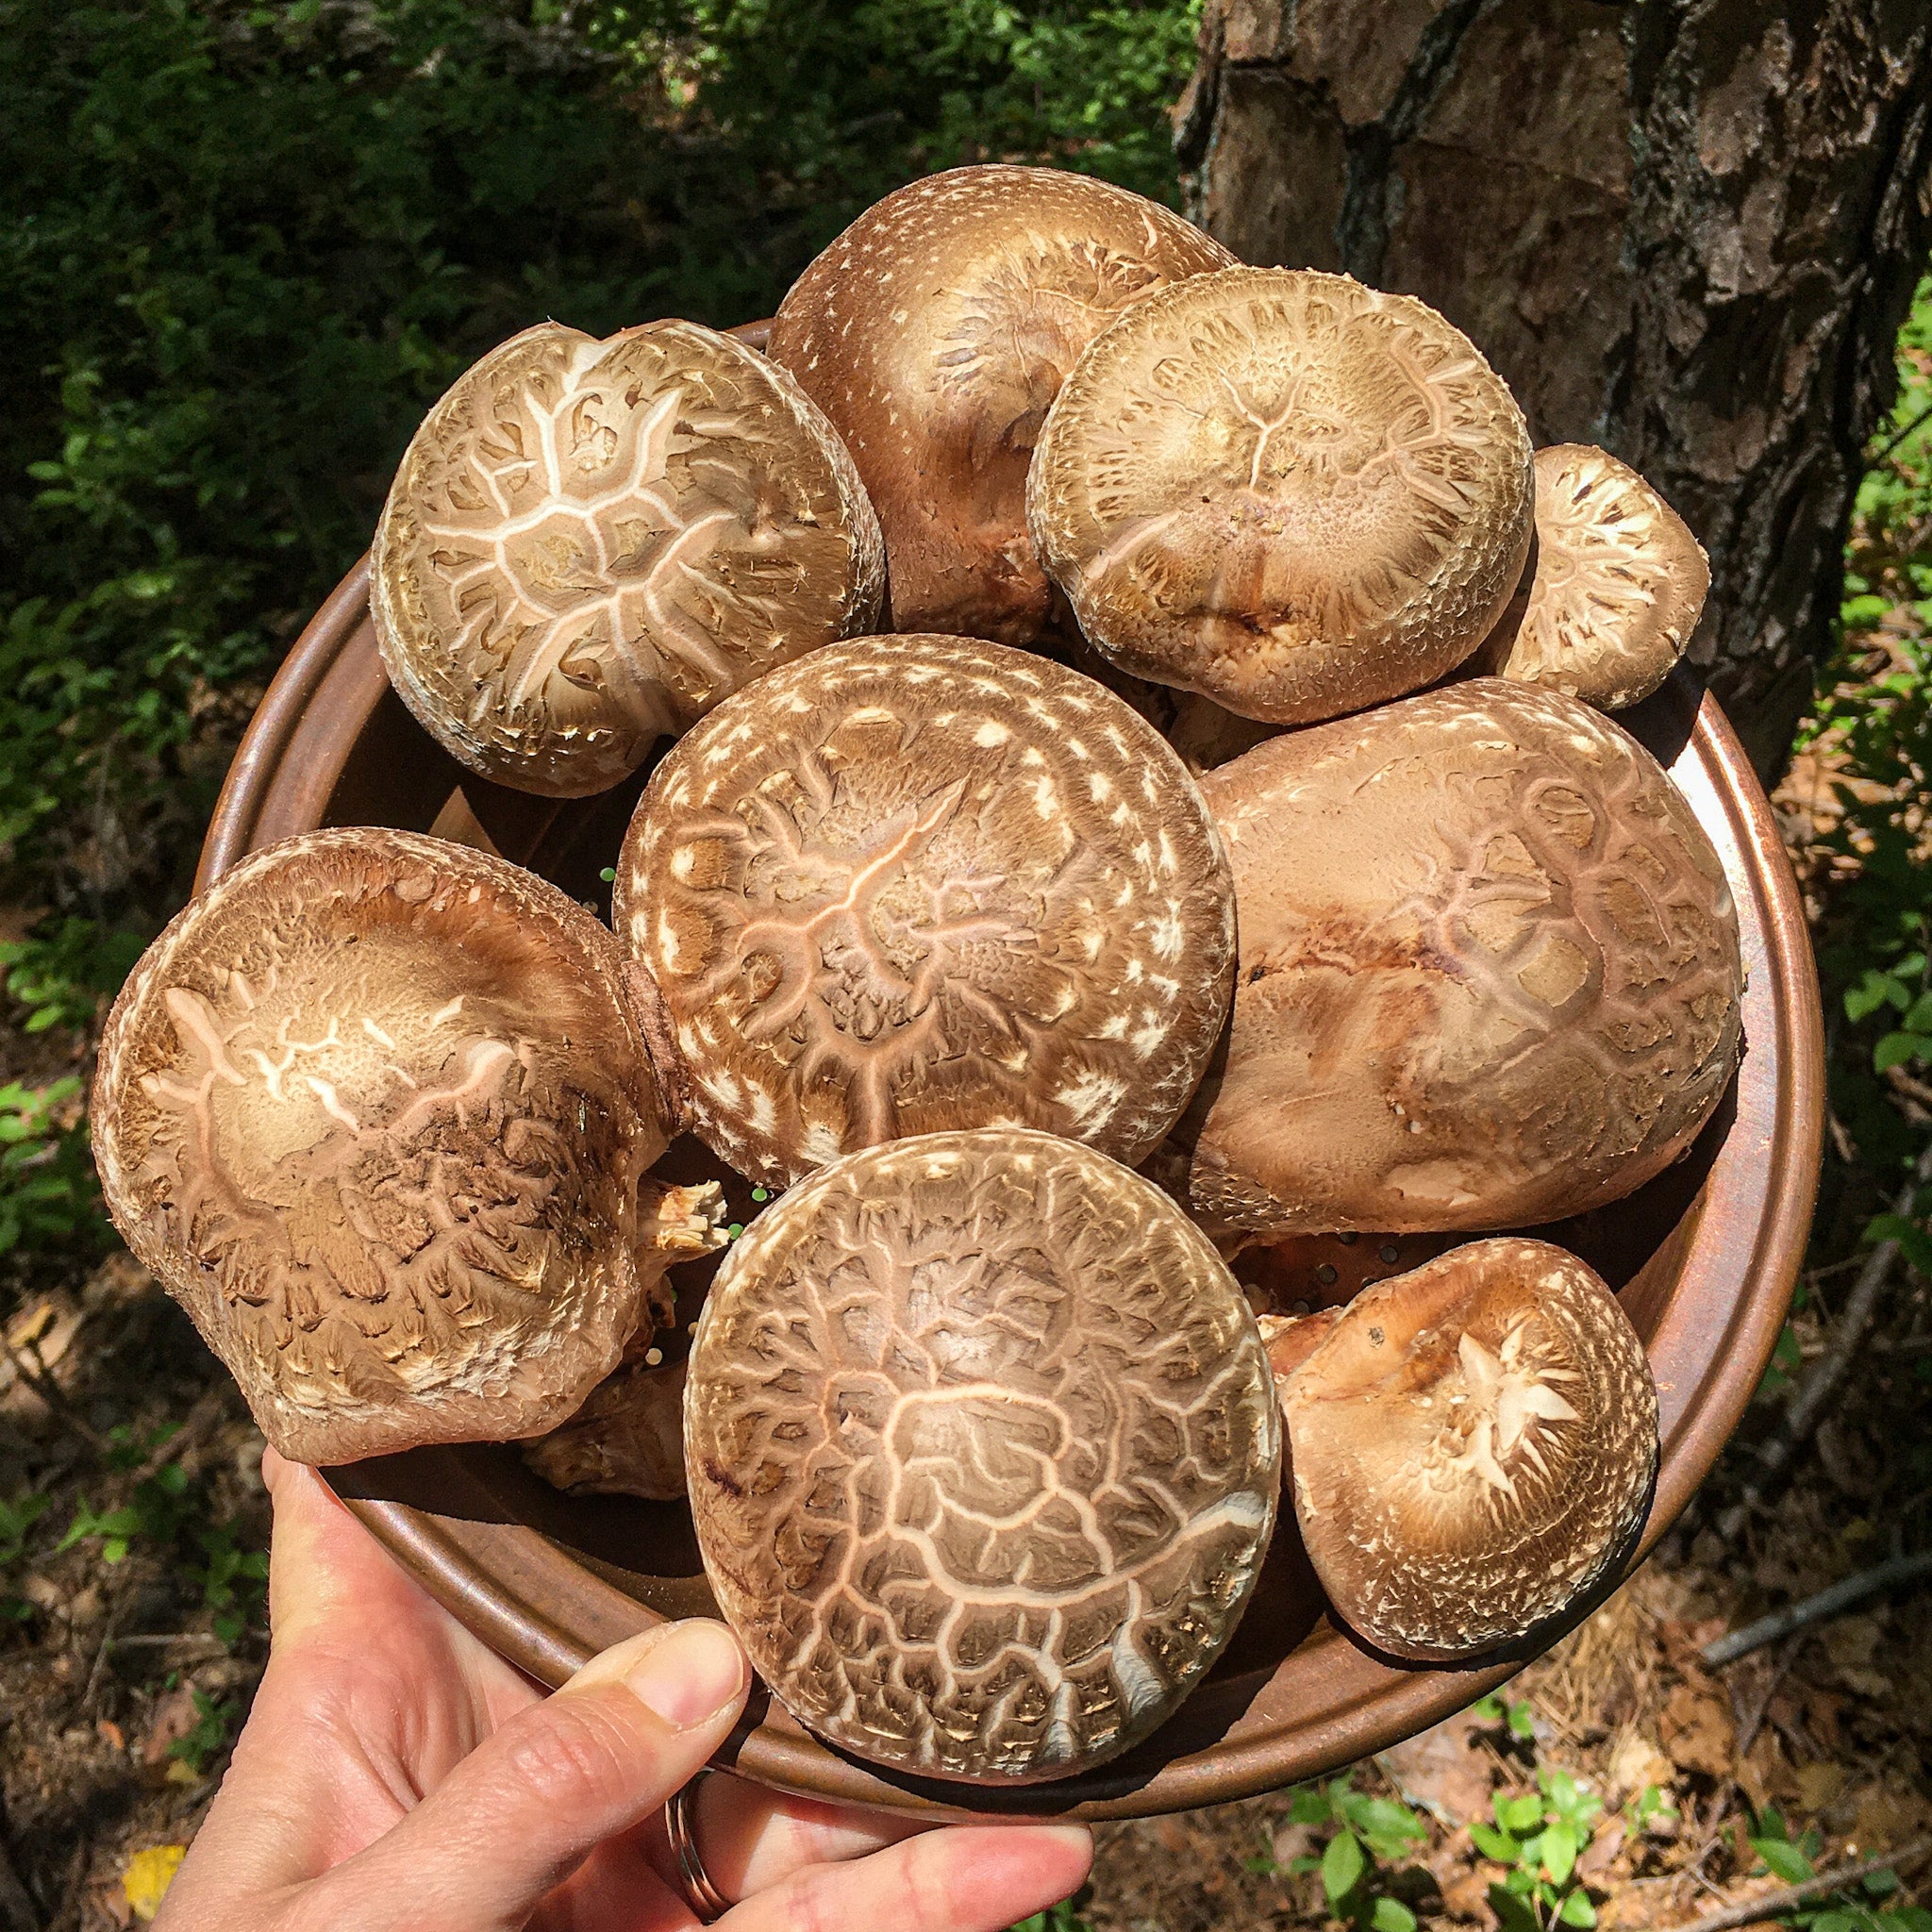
[[1472, 1445]]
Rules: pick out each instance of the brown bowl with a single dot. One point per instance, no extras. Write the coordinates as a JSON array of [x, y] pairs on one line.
[[1705, 1258]]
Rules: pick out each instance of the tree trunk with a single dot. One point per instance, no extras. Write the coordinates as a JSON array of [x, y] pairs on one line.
[[1687, 230]]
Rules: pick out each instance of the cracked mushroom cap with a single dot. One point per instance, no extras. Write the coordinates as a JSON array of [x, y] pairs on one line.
[[1471, 1445], [1290, 493], [936, 331], [1616, 588], [372, 1110], [589, 543], [920, 883], [1489, 971], [983, 1453]]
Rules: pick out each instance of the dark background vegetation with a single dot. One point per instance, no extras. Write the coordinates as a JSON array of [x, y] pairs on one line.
[[243, 247]]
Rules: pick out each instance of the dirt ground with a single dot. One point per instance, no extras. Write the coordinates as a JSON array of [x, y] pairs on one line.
[[127, 1657]]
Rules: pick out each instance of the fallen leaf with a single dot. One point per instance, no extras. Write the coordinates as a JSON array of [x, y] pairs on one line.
[[180, 1772], [1696, 1731], [1820, 1784], [1636, 1762], [148, 1876], [1600, 1854], [1444, 1770], [112, 1733], [174, 1716]]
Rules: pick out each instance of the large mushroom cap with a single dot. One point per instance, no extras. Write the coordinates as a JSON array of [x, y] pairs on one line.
[[1617, 585], [1471, 1445], [589, 543], [983, 1454], [372, 1110], [920, 883], [1489, 971], [935, 332], [1288, 492]]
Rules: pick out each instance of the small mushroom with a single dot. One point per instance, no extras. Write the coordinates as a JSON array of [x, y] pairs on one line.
[[373, 1111], [983, 1454], [1614, 590], [1288, 492], [920, 883], [1489, 971], [1471, 1445], [589, 543], [936, 331], [626, 1441]]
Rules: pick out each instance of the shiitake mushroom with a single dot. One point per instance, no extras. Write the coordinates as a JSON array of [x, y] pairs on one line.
[[590, 543], [983, 1454], [1489, 971], [912, 884], [373, 1111]]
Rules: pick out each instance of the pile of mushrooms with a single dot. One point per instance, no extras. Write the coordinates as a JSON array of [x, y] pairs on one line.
[[1106, 709]]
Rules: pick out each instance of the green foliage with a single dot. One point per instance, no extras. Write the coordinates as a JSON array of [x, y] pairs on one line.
[[1517, 1718], [1647, 1810], [207, 1738], [60, 975], [1365, 1834], [48, 1195], [1537, 1837], [1873, 718], [1059, 1918], [1794, 1861]]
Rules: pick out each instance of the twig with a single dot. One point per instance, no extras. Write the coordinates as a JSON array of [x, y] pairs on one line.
[[1823, 1377], [1812, 1609], [1747, 1731], [55, 1397], [201, 1421], [1772, 1904]]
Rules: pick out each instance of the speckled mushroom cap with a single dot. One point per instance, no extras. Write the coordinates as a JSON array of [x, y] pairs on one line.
[[1290, 493], [1617, 588], [983, 1454], [372, 1110], [936, 331], [1489, 971], [920, 883], [1470, 1446], [589, 543]]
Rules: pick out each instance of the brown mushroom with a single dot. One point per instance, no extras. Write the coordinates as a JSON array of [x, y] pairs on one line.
[[626, 1441], [1471, 1445], [1615, 589], [935, 332], [1288, 492], [1489, 971], [920, 883], [371, 1110], [589, 543], [983, 1454]]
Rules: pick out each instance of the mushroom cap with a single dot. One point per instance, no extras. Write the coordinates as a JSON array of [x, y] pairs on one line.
[[1616, 588], [935, 332], [920, 883], [983, 1451], [372, 1111], [1472, 1445], [626, 1441], [1489, 971], [589, 543], [1290, 493]]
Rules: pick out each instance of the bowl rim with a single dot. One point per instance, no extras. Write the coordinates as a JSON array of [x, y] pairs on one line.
[[499, 1578]]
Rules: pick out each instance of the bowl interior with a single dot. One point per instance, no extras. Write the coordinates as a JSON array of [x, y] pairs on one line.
[[1704, 1259]]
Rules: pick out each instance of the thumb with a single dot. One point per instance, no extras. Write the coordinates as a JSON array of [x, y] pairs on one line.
[[531, 1803]]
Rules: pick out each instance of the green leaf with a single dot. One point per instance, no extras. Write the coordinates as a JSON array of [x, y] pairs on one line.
[[1898, 1050], [1783, 1860], [1874, 991], [1522, 1721], [1307, 1806], [1880, 1883], [1558, 1852], [1511, 1913], [1500, 1845], [1341, 1865], [1391, 1915], [1519, 1814], [1577, 1909], [1489, 1709]]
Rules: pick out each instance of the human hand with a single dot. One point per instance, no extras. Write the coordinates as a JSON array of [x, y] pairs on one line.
[[396, 1776]]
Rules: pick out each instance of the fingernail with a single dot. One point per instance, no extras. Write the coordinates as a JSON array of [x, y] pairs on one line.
[[691, 1674]]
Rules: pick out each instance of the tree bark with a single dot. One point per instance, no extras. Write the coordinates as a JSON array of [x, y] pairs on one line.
[[1687, 230]]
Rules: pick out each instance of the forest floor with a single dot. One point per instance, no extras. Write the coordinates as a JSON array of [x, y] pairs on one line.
[[131, 1635]]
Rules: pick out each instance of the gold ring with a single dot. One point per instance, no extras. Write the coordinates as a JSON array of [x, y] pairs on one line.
[[693, 1881]]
